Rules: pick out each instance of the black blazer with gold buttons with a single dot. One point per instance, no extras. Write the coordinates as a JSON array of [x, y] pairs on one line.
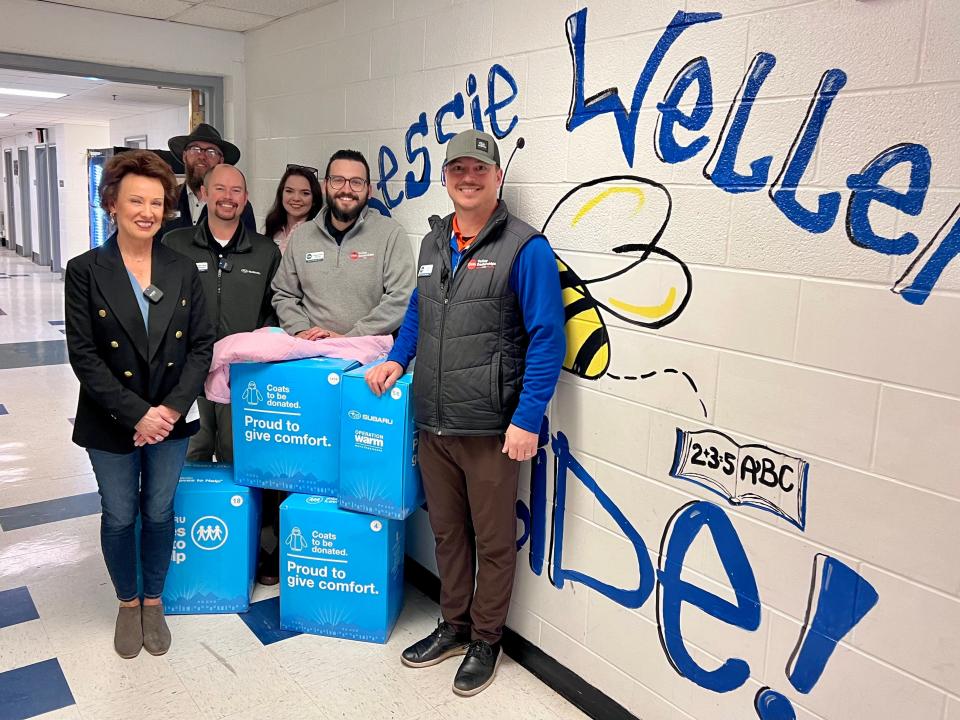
[[124, 368]]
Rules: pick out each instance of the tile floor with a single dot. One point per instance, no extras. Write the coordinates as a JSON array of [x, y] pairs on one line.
[[57, 606]]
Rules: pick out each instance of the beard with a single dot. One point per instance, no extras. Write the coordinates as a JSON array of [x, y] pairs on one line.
[[224, 214], [194, 179], [341, 215]]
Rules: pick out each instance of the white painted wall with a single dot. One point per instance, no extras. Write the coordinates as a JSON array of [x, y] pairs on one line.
[[792, 338], [158, 125]]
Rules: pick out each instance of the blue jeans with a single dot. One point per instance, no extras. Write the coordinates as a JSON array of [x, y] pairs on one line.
[[142, 482]]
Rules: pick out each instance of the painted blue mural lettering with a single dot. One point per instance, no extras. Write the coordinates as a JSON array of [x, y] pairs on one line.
[[387, 171], [584, 109], [523, 515], [783, 191], [414, 187], [455, 108], [945, 250], [771, 705], [866, 188], [672, 593], [839, 600], [630, 598], [538, 500], [720, 168], [665, 144], [498, 72], [475, 116]]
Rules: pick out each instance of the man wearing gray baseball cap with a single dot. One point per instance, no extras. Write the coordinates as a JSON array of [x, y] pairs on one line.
[[486, 324]]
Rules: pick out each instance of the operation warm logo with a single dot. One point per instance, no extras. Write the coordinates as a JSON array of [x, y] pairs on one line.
[[368, 440]]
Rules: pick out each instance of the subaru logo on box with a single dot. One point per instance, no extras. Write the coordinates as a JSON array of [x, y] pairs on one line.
[[353, 414]]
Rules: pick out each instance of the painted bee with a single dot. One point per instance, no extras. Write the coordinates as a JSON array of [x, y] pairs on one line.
[[579, 221]]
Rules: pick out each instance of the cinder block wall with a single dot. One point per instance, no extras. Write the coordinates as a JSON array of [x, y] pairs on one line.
[[787, 171]]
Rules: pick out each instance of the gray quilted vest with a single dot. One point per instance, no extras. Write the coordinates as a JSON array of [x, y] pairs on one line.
[[472, 344]]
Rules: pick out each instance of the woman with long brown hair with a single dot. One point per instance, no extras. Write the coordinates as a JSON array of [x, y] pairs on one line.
[[298, 199]]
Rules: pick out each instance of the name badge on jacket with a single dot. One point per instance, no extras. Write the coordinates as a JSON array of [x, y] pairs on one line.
[[201, 267], [425, 271], [315, 256]]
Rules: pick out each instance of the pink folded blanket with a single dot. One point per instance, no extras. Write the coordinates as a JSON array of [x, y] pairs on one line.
[[273, 345]]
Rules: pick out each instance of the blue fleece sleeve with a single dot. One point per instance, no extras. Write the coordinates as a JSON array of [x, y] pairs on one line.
[[405, 347], [536, 281]]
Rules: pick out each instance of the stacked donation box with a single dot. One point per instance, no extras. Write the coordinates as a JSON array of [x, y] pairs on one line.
[[216, 538], [348, 459]]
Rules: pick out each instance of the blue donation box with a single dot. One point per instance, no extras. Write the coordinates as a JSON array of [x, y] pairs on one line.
[[216, 540], [378, 449], [286, 424], [341, 573]]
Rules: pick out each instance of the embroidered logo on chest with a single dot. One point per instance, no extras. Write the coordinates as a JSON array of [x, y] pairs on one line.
[[361, 255], [480, 264]]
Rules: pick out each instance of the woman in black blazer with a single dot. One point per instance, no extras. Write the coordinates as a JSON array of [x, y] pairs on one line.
[[140, 342]]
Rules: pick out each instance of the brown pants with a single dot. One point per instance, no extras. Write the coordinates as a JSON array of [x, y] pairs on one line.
[[471, 490]]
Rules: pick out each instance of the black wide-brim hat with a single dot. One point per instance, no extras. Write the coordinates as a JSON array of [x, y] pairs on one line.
[[205, 133]]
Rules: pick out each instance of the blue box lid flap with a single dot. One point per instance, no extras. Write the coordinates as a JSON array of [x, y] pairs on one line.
[[207, 476], [360, 372]]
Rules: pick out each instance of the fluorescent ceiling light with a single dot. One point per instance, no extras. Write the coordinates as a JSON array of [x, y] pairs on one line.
[[32, 93]]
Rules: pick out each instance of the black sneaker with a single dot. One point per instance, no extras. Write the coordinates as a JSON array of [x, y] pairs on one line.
[[446, 641], [477, 669]]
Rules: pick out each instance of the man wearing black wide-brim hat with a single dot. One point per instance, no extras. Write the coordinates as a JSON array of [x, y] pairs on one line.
[[199, 151]]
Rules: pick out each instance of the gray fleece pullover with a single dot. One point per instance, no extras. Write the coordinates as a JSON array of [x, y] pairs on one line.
[[361, 287]]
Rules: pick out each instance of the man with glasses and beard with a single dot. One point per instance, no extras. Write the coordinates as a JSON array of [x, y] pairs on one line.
[[349, 271], [200, 151]]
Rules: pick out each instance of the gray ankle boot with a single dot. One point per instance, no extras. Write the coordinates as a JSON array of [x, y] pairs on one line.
[[128, 636], [156, 634]]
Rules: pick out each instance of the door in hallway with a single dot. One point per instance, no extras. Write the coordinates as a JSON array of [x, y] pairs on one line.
[[26, 219], [11, 213]]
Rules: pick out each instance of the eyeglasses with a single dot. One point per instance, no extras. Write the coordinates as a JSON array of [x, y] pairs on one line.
[[306, 168], [356, 184], [197, 151], [460, 169]]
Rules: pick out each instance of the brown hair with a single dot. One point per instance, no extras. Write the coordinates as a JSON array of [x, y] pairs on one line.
[[137, 162]]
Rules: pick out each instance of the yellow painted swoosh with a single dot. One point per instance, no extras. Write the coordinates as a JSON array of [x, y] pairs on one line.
[[600, 197], [647, 311]]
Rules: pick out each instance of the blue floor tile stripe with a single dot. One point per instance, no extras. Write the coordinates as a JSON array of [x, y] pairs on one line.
[[33, 690], [33, 354], [263, 619], [16, 606], [47, 511]]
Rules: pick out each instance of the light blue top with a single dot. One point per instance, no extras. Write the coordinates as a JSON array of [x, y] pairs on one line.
[[141, 299]]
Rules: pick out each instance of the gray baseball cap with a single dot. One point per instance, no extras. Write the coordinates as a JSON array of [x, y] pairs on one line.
[[473, 144]]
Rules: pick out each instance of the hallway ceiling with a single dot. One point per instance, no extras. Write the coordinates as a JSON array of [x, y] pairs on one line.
[[237, 15], [88, 101]]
